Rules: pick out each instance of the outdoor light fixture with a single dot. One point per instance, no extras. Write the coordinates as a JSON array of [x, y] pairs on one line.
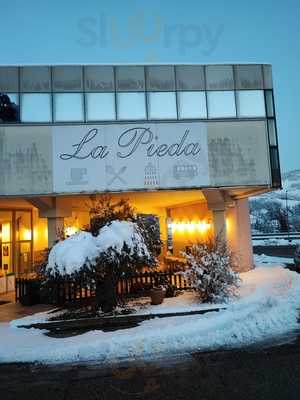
[[190, 226]]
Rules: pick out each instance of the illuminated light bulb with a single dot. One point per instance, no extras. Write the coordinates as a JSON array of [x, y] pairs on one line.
[[174, 226], [203, 226], [181, 227], [191, 227]]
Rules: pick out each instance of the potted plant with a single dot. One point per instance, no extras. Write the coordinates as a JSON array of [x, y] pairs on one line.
[[157, 294]]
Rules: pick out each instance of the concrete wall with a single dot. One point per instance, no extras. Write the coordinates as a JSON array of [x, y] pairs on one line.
[[239, 234], [238, 153]]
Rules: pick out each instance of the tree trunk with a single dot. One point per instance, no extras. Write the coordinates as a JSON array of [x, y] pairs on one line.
[[106, 298]]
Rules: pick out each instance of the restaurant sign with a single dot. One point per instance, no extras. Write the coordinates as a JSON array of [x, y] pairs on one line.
[[124, 157]]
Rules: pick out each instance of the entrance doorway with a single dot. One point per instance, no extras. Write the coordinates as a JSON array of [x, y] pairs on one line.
[[16, 242]]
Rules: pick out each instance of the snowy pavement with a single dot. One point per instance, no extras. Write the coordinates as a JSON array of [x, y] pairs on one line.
[[268, 306]]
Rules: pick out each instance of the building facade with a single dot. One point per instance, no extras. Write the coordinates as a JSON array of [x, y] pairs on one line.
[[187, 143]]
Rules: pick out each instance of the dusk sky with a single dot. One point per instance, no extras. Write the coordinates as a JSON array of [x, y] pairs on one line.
[[89, 31]]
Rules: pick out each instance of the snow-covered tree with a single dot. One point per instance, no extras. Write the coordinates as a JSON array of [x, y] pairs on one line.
[[209, 268], [117, 243], [119, 248]]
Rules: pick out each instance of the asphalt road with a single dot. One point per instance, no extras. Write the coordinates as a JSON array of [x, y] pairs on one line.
[[266, 373], [275, 251]]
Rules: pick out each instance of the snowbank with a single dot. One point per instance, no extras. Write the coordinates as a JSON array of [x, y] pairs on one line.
[[83, 248], [264, 259], [267, 307]]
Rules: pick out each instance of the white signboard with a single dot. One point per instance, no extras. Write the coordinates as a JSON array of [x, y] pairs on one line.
[[124, 157]]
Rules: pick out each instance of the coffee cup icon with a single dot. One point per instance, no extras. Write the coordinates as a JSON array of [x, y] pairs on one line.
[[77, 175]]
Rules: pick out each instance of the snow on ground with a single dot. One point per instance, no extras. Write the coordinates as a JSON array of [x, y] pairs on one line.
[[275, 242], [268, 306], [186, 301]]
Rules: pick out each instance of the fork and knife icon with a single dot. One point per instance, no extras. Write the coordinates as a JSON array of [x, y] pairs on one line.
[[115, 175]]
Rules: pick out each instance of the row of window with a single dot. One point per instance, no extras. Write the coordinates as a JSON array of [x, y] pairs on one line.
[[134, 78], [76, 107]]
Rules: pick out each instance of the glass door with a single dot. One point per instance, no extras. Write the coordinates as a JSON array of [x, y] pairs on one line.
[[16, 242], [6, 242], [23, 242]]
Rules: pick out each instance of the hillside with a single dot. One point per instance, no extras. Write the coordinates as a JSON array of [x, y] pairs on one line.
[[273, 211]]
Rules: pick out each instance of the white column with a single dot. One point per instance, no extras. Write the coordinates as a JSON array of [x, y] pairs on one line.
[[239, 235]]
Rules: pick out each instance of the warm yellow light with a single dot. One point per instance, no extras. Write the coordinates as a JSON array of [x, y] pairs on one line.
[[71, 230], [181, 226], [174, 226], [35, 233], [26, 234], [190, 227], [228, 225], [203, 226], [6, 232]]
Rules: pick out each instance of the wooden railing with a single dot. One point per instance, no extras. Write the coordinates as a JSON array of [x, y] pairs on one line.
[[66, 291]]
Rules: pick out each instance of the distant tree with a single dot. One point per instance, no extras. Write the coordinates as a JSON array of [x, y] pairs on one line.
[[8, 110], [276, 212]]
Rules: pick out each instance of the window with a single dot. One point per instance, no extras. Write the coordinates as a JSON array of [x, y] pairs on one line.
[[275, 166], [219, 77], [9, 107], [99, 79], [269, 103], [160, 77], [35, 79], [192, 105], [36, 107], [272, 132], [190, 77], [68, 107], [130, 79], [13, 97], [9, 81], [100, 106], [67, 79], [131, 106], [221, 104], [251, 103], [162, 105], [249, 77]]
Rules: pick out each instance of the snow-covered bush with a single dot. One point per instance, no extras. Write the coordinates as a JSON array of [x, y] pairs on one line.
[[118, 248], [117, 243], [209, 268]]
